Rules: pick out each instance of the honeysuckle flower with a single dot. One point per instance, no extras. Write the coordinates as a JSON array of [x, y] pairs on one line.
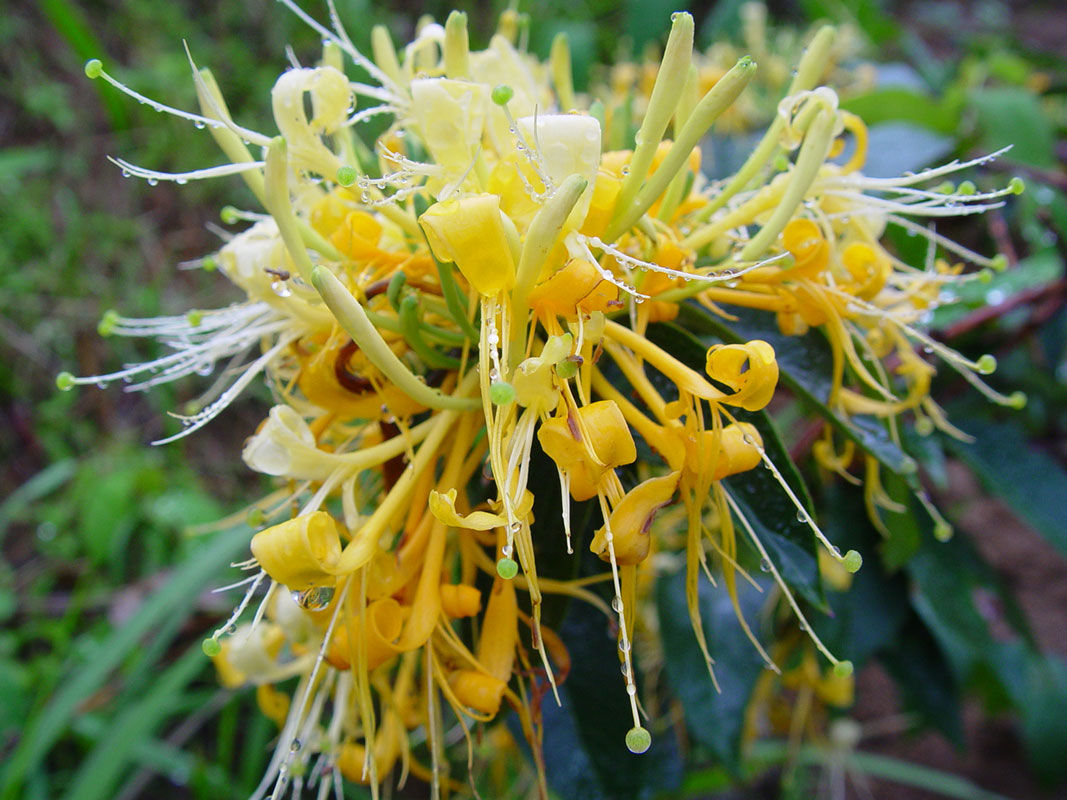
[[492, 286]]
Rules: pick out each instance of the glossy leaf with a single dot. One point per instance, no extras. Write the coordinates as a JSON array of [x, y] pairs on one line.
[[1032, 483], [715, 719], [584, 738]]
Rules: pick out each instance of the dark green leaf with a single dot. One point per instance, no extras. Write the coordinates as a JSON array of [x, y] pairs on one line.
[[868, 615], [1044, 716], [584, 743], [924, 678], [715, 719], [1032, 483], [1014, 117]]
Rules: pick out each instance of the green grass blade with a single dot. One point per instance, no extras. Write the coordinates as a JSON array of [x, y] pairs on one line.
[[174, 598]]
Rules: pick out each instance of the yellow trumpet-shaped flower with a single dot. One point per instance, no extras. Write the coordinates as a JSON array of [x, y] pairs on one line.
[[301, 552], [749, 369], [588, 444], [471, 232], [631, 520]]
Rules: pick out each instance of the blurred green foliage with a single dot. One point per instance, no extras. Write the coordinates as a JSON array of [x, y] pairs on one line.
[[102, 592]]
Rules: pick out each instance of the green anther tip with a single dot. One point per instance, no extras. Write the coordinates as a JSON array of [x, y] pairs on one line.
[[93, 68], [347, 175], [567, 369], [638, 740], [194, 318], [966, 188], [986, 275], [948, 187], [987, 364], [942, 531], [999, 262], [909, 465], [209, 264], [255, 518], [229, 215], [852, 561], [211, 647], [507, 568], [501, 393], [1016, 185], [1017, 400], [107, 323], [843, 669], [924, 426], [65, 381], [502, 94]]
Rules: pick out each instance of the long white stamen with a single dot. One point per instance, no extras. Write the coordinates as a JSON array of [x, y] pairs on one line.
[[181, 177], [202, 418]]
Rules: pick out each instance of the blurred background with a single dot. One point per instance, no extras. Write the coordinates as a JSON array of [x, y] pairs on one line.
[[104, 597]]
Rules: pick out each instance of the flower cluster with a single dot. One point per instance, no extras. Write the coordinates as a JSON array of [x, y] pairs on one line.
[[475, 285]]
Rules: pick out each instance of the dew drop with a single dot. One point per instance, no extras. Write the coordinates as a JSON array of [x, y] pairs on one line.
[[314, 598], [153, 181], [616, 604], [765, 565], [281, 288]]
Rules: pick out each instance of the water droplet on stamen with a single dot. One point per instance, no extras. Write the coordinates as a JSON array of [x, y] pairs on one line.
[[314, 598]]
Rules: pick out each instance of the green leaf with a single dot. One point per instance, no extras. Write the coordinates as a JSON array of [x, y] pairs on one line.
[[101, 771], [175, 597], [1044, 716], [900, 104], [715, 719], [924, 678], [804, 364], [1015, 117], [868, 615], [1039, 269], [1033, 484], [584, 739]]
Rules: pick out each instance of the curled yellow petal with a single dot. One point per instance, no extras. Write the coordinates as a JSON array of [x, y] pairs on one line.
[[300, 553], [379, 627], [460, 600], [478, 690], [470, 232], [273, 703], [631, 520], [749, 369], [443, 507], [588, 444]]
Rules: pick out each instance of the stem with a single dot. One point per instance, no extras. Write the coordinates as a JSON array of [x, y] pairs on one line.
[[353, 318]]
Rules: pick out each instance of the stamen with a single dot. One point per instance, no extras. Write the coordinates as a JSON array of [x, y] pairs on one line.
[[154, 176]]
